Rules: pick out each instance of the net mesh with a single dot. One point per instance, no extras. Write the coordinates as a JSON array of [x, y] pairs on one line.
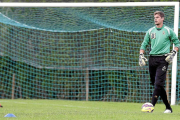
[[77, 53]]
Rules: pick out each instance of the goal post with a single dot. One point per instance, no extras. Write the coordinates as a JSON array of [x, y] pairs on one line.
[[174, 64], [81, 61]]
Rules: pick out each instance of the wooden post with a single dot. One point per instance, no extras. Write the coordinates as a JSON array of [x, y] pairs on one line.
[[87, 84], [13, 85], [20, 94], [167, 85]]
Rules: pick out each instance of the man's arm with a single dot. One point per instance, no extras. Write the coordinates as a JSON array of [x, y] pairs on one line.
[[175, 40], [171, 55], [176, 48], [145, 42], [141, 51], [142, 59]]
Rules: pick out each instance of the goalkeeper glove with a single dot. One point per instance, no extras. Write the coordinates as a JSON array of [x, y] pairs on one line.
[[170, 56], [142, 60]]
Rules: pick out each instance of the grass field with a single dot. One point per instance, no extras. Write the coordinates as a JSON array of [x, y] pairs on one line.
[[81, 110]]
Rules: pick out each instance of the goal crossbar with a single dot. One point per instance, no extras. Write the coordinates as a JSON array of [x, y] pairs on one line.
[[89, 4]]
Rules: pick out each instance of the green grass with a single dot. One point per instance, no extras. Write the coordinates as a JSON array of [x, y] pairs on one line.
[[81, 110]]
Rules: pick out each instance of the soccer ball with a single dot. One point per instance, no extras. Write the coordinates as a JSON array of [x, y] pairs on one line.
[[147, 107]]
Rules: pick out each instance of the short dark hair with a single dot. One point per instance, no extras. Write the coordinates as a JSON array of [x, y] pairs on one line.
[[160, 13]]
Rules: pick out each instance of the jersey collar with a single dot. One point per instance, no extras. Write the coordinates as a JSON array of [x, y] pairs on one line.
[[159, 28]]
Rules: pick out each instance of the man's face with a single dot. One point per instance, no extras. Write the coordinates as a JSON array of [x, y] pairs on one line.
[[158, 19]]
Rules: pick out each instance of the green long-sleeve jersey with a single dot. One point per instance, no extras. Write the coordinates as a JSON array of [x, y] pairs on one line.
[[160, 40]]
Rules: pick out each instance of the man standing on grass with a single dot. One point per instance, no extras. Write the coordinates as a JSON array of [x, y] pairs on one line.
[[159, 37]]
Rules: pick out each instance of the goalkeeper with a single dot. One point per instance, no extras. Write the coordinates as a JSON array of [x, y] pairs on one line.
[[159, 37]]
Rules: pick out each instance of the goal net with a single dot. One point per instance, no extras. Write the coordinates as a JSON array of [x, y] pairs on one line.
[[78, 53]]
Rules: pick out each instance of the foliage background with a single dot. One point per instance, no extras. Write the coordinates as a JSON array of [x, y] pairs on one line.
[[36, 83]]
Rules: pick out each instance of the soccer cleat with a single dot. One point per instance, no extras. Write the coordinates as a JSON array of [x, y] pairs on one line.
[[168, 111]]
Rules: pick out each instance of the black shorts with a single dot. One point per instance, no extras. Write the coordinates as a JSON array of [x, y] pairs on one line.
[[157, 69]]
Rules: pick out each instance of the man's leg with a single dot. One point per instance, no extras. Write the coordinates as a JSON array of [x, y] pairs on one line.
[[160, 91], [152, 71], [160, 82], [156, 94], [164, 98]]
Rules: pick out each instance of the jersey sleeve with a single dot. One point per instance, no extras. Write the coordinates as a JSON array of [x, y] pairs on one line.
[[145, 41], [174, 39]]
